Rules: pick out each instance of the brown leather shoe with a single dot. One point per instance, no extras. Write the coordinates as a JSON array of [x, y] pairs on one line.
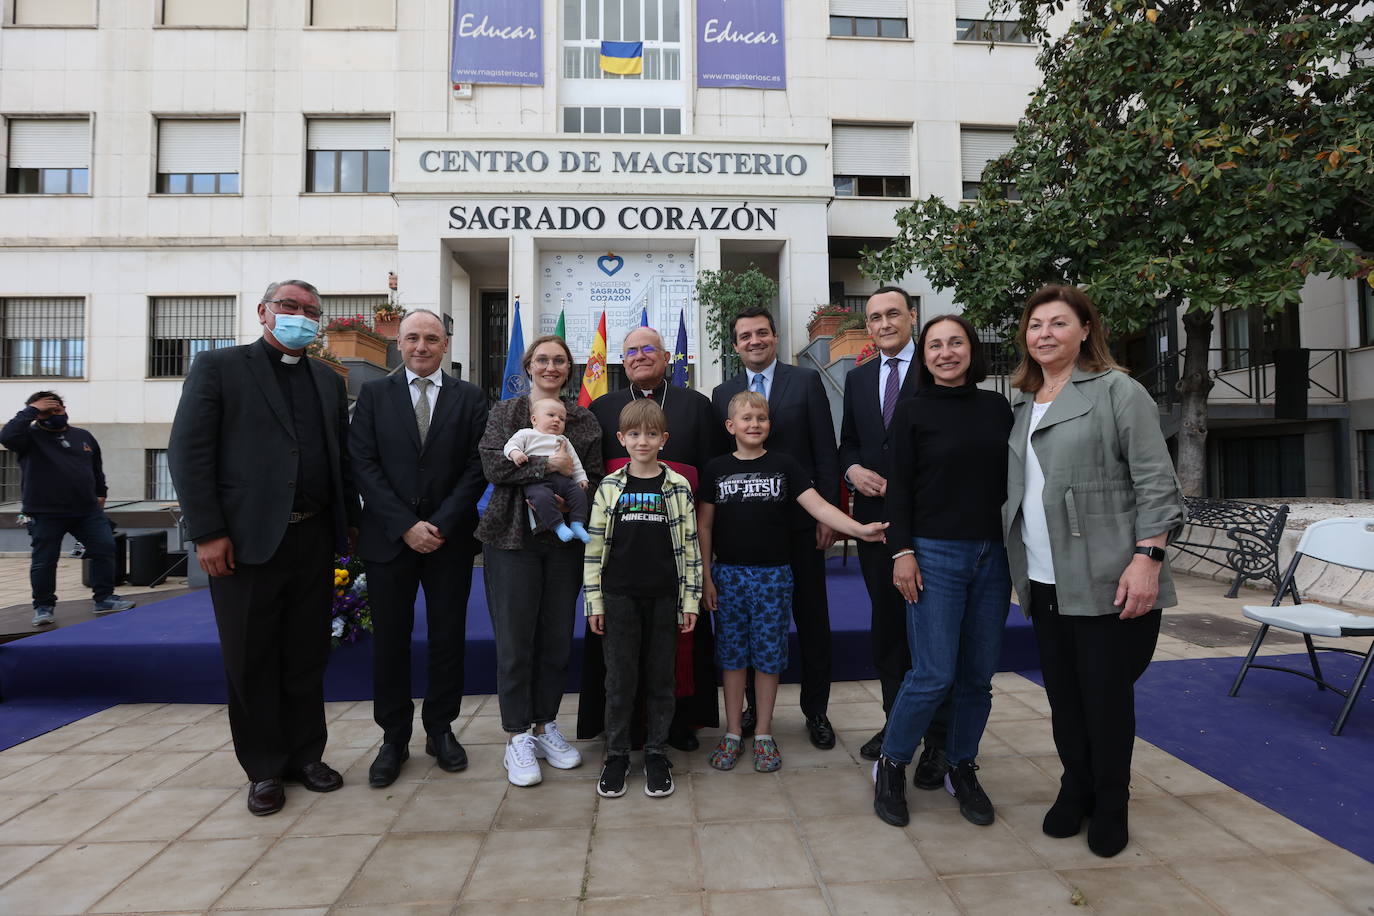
[[317, 777], [266, 797]]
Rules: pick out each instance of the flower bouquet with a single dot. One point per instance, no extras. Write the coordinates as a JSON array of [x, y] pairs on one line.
[[351, 616]]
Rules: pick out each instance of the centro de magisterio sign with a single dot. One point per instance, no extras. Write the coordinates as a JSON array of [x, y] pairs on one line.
[[637, 162]]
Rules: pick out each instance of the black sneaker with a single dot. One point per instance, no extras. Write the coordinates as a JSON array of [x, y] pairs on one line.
[[613, 772], [930, 769], [658, 776], [962, 782], [889, 792]]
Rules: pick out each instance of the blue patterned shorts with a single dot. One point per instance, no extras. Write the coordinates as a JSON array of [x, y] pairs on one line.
[[753, 608]]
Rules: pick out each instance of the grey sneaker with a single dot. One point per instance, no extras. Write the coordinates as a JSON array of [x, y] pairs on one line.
[[111, 604], [43, 617]]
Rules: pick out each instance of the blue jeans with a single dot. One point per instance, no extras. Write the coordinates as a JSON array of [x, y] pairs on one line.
[[93, 531], [955, 632]]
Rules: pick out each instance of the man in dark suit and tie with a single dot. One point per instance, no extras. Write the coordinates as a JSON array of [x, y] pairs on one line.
[[799, 413], [871, 394], [414, 448], [259, 457]]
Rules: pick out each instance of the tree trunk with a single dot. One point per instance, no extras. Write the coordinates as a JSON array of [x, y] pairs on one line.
[[1193, 387]]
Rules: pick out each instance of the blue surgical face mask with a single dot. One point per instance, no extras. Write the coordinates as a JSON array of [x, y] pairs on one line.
[[295, 332]]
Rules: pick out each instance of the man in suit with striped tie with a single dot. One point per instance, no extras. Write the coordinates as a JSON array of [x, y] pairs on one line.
[[871, 394], [414, 444]]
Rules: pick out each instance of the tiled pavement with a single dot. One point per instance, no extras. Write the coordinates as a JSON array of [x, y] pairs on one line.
[[140, 809]]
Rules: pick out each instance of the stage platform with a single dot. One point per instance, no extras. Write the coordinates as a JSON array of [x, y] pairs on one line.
[[169, 652]]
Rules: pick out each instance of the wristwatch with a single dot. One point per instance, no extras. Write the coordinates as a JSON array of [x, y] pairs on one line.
[[1154, 553]]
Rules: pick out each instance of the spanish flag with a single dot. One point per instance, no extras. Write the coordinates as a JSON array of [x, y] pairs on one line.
[[594, 379], [624, 57]]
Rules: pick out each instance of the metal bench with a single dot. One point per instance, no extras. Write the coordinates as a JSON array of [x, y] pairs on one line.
[[1250, 547]]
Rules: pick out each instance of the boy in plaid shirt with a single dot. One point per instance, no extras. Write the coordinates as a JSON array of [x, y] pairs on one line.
[[642, 572]]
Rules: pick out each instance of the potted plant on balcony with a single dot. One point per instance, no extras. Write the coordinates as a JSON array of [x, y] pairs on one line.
[[850, 336], [825, 319], [317, 350], [386, 319], [354, 338]]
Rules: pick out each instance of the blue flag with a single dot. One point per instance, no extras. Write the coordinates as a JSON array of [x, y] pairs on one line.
[[513, 382], [680, 352]]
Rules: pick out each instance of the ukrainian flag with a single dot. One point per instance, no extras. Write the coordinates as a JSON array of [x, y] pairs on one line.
[[623, 57]]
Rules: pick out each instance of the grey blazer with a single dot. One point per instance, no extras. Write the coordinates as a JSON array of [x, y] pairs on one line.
[[1109, 483]]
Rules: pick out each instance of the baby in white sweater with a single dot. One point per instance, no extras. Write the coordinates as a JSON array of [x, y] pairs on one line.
[[547, 420]]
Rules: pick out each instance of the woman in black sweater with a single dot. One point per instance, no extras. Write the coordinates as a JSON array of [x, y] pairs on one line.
[[944, 504]]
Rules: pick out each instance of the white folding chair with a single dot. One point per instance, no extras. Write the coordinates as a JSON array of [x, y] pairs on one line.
[[1342, 542]]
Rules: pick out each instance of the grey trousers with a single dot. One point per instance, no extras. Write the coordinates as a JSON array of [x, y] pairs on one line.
[[641, 633], [532, 596]]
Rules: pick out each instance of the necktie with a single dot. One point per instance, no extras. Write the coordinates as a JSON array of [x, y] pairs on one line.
[[422, 407], [758, 385], [890, 389]]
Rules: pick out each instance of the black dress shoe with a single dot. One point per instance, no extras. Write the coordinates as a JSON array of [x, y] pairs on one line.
[[822, 733], [446, 750], [684, 739], [317, 777], [266, 797], [931, 769], [873, 747], [749, 722], [387, 766], [889, 792]]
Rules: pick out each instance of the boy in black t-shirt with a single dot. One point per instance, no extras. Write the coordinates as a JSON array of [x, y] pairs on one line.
[[642, 571], [746, 518]]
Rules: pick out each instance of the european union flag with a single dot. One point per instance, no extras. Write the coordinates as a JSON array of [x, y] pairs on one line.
[[513, 382], [623, 57], [680, 352]]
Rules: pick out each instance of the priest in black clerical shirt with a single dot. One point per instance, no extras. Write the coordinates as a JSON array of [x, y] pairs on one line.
[[259, 457], [694, 437]]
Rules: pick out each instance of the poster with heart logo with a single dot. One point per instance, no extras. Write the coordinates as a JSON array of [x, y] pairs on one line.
[[626, 284]]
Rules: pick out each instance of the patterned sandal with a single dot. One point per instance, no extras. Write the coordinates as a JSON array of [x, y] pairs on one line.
[[726, 754], [767, 757]]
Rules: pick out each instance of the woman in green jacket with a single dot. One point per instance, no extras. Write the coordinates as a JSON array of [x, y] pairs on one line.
[[1091, 500]]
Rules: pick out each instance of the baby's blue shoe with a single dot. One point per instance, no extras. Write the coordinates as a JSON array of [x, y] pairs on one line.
[[580, 532]]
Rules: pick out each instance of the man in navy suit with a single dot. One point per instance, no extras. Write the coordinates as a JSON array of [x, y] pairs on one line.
[[414, 445], [871, 394], [800, 426]]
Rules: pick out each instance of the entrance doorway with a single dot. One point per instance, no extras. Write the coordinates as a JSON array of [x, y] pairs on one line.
[[494, 341]]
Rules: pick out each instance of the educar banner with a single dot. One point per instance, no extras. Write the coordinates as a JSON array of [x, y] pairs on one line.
[[497, 41], [740, 43]]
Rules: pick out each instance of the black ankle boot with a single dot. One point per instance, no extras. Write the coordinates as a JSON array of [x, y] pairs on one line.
[[889, 792], [1065, 817], [1107, 833]]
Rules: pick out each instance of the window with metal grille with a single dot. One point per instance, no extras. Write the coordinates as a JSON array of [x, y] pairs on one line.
[[180, 327], [49, 156], [349, 305], [348, 155], [9, 476], [43, 338], [157, 476], [597, 119], [656, 23]]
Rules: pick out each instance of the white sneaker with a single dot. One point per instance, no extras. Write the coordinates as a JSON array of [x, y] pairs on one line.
[[554, 748], [522, 769]]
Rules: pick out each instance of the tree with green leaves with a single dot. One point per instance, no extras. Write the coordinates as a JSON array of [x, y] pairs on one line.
[[724, 294], [1195, 154]]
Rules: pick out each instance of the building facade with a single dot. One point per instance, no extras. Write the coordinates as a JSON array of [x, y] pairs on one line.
[[166, 159]]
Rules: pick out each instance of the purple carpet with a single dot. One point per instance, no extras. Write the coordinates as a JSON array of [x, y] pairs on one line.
[[1272, 741], [169, 652]]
